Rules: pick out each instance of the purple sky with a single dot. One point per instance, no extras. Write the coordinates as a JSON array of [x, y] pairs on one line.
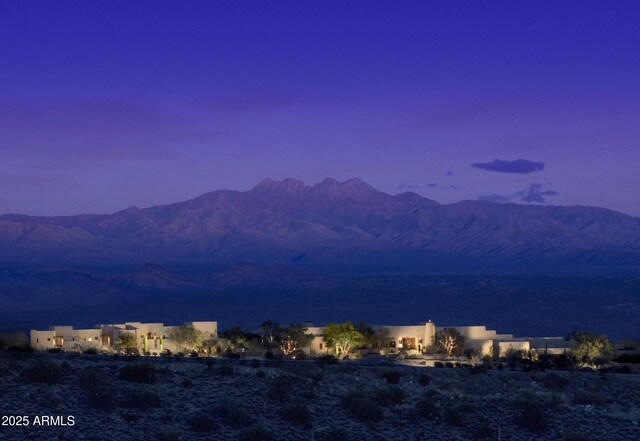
[[104, 105]]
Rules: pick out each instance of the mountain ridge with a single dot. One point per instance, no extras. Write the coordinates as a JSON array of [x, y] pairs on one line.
[[330, 223]]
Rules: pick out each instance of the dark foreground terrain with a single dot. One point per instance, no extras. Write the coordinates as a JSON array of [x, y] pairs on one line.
[[171, 399]]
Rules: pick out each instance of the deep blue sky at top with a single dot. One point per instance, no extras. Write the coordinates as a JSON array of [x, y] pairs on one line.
[[108, 104]]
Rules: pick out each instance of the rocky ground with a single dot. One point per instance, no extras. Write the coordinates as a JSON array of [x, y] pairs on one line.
[[170, 399]]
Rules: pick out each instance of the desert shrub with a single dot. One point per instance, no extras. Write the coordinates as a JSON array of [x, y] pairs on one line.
[[90, 351], [424, 379], [280, 389], [225, 369], [427, 408], [452, 417], [483, 431], [138, 373], [143, 399], [575, 436], [16, 341], [592, 398], [333, 434], [532, 417], [298, 413], [102, 399], [131, 417], [448, 364], [201, 423], [233, 415], [43, 371], [90, 380], [256, 433], [386, 395], [361, 407], [392, 376], [555, 382], [438, 364], [478, 369], [327, 359], [168, 433]]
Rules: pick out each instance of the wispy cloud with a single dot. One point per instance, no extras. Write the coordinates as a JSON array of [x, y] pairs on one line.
[[521, 166], [535, 194]]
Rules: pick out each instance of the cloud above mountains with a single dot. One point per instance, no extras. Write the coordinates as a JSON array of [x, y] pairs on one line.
[[534, 194], [521, 166]]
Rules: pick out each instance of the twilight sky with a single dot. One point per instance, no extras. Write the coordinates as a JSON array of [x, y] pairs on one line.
[[104, 105]]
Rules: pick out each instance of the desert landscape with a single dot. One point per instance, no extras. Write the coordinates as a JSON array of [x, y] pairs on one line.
[[112, 397]]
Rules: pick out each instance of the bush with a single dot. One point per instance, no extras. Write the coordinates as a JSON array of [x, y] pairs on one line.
[[225, 369], [452, 417], [426, 408], [424, 380], [91, 351], [138, 373], [483, 431], [168, 434], [327, 359], [555, 382], [334, 434], [438, 364], [201, 423], [43, 371], [392, 376], [362, 407], [256, 433], [143, 399], [298, 413], [478, 369], [532, 417], [575, 436], [90, 380], [389, 395], [280, 389], [586, 397], [102, 399], [233, 415]]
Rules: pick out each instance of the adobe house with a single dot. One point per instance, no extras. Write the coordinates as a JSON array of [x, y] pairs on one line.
[[416, 338], [149, 337]]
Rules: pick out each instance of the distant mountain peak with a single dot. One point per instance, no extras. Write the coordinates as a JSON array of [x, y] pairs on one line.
[[288, 185], [350, 187]]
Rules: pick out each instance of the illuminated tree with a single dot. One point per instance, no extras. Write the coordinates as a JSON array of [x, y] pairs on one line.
[[292, 338], [269, 331], [126, 343], [186, 337], [342, 337], [591, 350], [448, 341]]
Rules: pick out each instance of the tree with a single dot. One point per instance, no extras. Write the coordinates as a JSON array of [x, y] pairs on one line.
[[269, 331], [292, 338], [370, 338], [591, 350], [342, 337], [448, 341], [126, 343], [186, 337]]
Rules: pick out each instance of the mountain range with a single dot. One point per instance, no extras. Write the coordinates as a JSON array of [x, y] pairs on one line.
[[331, 225]]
